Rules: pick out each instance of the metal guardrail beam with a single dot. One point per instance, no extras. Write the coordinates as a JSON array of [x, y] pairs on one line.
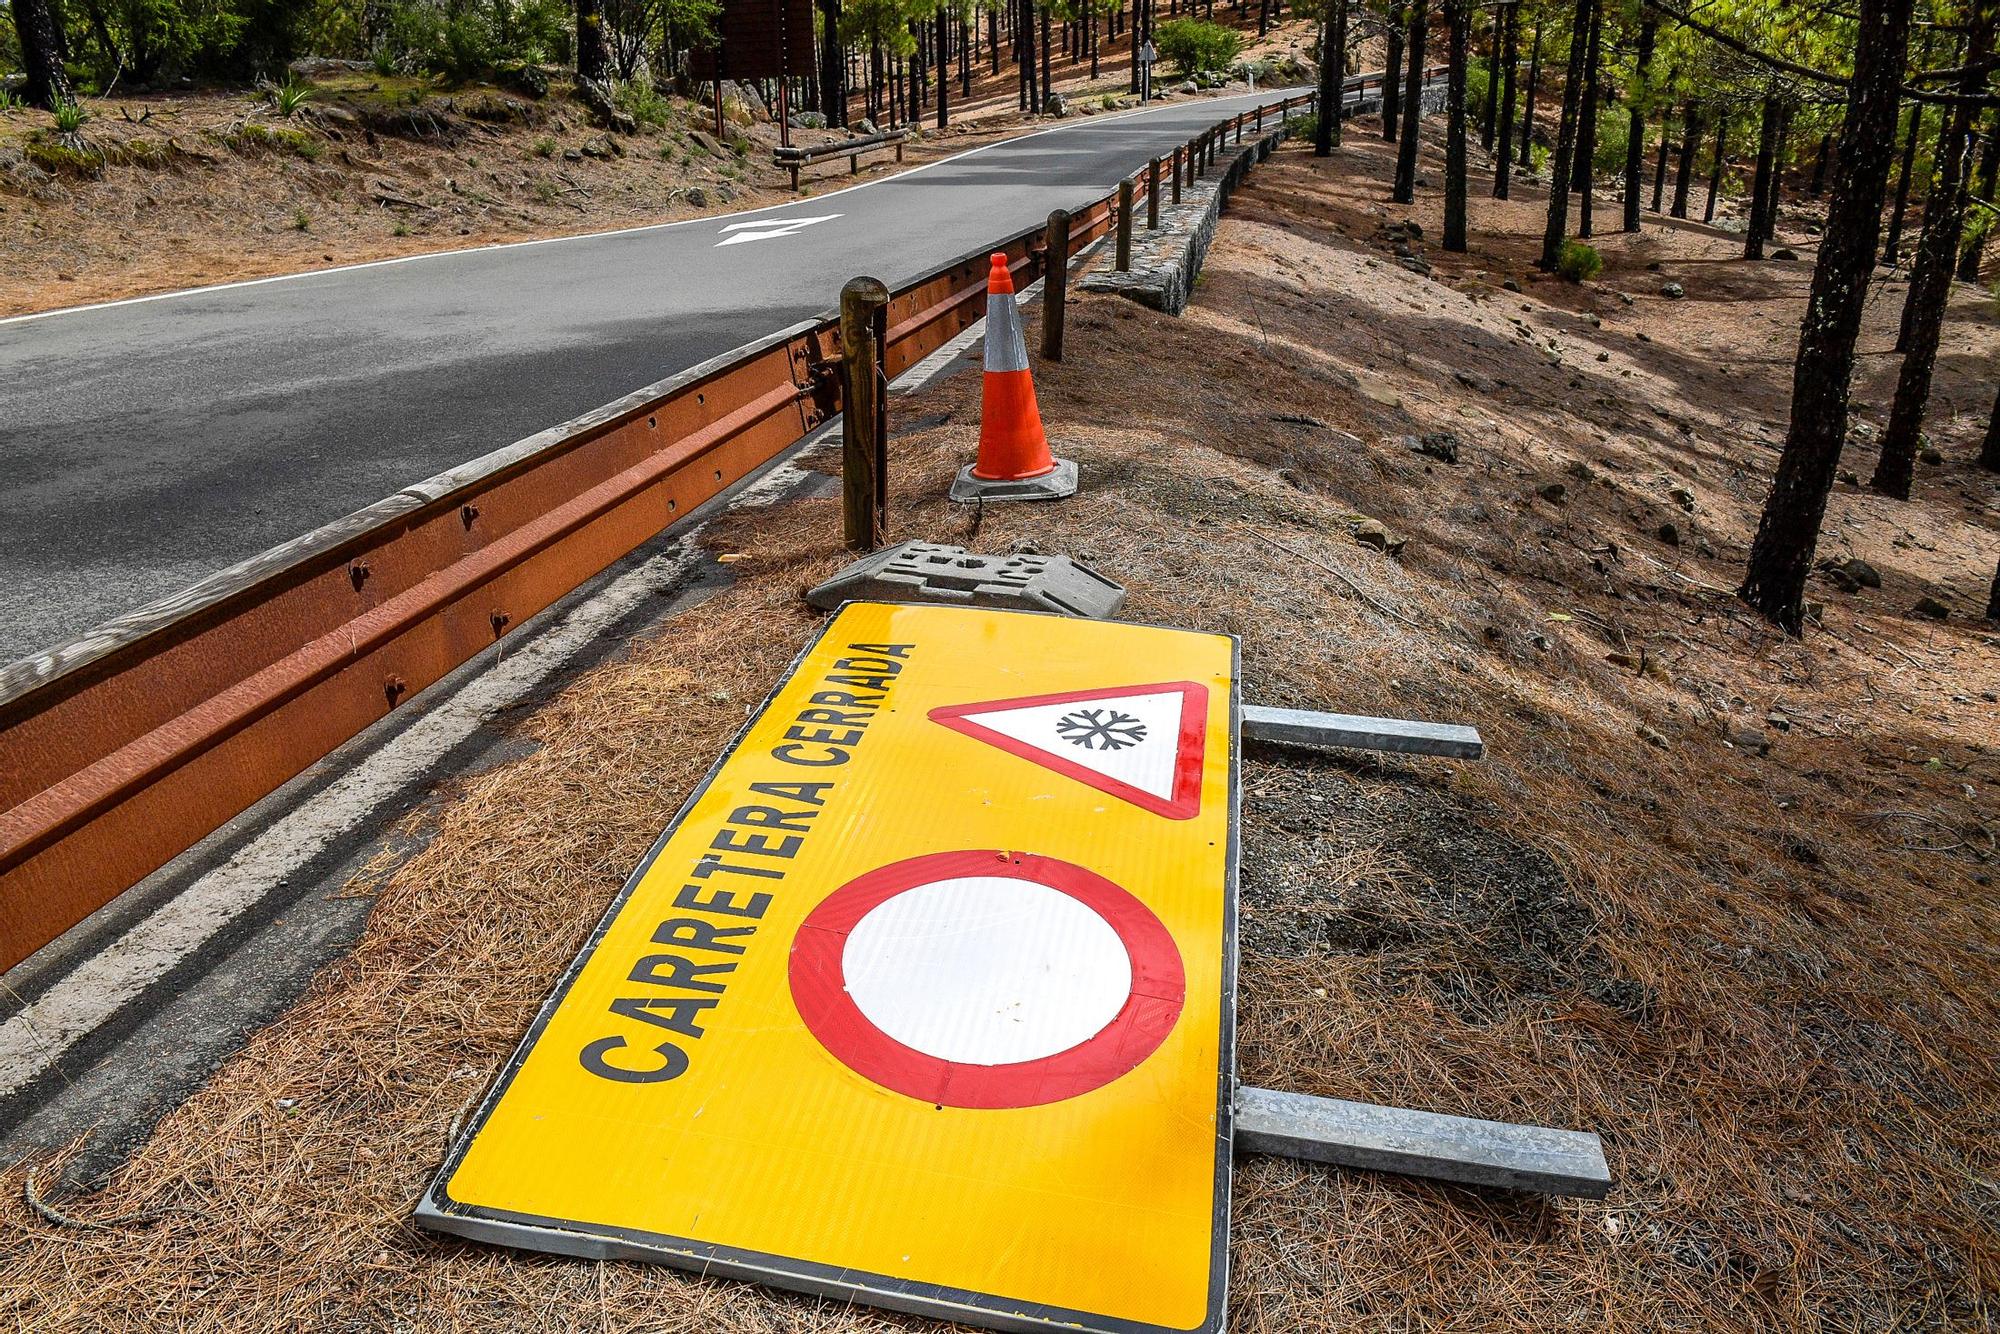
[[124, 748]]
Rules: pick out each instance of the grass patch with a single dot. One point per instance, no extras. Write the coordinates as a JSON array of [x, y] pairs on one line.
[[251, 139], [62, 159]]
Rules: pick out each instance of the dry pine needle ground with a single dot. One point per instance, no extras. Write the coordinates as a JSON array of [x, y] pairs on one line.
[[1767, 979]]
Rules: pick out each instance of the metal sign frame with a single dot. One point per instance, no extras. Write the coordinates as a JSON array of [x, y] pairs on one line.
[[436, 1210]]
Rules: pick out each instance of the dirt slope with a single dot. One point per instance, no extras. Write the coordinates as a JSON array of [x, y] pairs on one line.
[[1724, 897]]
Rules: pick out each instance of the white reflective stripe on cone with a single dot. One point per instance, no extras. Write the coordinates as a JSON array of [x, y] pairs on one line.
[[1006, 350]]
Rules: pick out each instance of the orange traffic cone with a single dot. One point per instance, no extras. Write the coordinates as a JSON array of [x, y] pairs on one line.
[[1014, 459]]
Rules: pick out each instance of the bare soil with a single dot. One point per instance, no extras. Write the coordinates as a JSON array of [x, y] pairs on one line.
[[166, 191], [1722, 896]]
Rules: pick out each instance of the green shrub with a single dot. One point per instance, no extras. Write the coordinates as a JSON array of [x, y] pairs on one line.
[[1478, 78], [1304, 128], [1613, 134], [286, 98], [1196, 47], [70, 117], [301, 220], [545, 147], [1578, 262], [640, 100]]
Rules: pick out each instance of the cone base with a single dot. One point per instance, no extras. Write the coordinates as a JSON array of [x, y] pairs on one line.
[[1052, 485]]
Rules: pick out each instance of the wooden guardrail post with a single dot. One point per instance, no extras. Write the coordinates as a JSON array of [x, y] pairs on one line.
[[1125, 225], [1055, 285], [864, 415], [1178, 155], [1153, 195]]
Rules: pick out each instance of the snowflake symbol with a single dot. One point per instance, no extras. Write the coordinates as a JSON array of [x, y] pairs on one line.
[[1100, 729]]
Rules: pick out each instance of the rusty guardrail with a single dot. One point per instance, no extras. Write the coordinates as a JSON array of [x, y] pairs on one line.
[[126, 747]]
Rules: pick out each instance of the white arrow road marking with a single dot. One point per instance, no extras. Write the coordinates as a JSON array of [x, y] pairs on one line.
[[766, 229]]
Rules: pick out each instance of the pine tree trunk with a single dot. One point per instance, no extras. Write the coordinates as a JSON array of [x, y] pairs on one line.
[[1660, 169], [1684, 169], [943, 54], [1989, 452], [832, 67], [1332, 77], [1413, 102], [1042, 93], [1989, 177], [1586, 127], [1557, 227], [1781, 555], [1489, 111], [1457, 20], [592, 60], [48, 83], [1528, 112], [1392, 64], [1930, 282], [1993, 597], [1819, 166], [1635, 130], [1760, 186], [1717, 167], [1510, 44], [1893, 246]]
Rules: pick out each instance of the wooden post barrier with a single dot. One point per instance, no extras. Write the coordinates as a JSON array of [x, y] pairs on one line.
[[1055, 285], [1153, 195], [1125, 225], [864, 416]]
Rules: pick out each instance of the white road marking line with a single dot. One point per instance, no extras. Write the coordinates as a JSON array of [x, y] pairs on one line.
[[595, 236], [769, 229], [101, 985]]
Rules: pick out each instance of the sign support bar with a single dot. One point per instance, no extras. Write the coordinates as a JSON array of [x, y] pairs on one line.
[[1424, 1144], [1340, 731]]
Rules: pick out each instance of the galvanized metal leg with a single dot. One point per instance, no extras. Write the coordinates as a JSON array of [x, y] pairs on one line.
[[1425, 1144]]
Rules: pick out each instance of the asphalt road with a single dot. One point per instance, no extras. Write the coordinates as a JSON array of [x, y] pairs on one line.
[[148, 443]]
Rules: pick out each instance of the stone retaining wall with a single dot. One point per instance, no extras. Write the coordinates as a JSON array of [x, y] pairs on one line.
[[1165, 262]]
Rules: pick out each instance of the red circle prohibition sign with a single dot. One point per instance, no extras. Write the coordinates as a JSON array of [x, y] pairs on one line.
[[819, 987]]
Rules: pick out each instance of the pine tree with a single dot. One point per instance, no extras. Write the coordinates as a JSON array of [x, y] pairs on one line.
[[1457, 20], [48, 83], [1788, 530], [1557, 228]]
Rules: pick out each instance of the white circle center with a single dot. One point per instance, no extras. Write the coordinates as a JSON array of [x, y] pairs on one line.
[[986, 970]]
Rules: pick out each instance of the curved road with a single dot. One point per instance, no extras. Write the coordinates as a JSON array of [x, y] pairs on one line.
[[147, 443]]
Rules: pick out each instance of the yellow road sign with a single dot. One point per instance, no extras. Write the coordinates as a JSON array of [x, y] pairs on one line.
[[925, 999]]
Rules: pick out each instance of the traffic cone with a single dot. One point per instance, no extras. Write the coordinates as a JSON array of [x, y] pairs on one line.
[[1014, 460]]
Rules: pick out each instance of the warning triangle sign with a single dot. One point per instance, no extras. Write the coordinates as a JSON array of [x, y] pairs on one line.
[[1143, 744]]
